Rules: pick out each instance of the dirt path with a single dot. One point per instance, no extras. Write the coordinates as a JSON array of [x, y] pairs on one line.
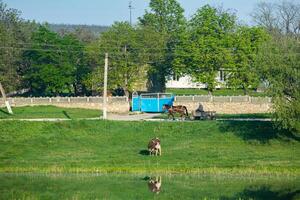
[[133, 117]]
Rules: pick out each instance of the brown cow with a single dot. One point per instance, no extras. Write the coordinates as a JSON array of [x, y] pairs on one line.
[[154, 147], [154, 185]]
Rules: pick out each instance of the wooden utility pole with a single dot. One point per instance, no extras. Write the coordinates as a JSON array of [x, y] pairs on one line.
[[105, 88], [5, 99]]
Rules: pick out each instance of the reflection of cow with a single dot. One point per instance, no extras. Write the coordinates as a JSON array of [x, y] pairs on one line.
[[154, 147], [154, 185]]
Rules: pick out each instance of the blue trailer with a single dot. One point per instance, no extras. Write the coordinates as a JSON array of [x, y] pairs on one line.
[[151, 102]]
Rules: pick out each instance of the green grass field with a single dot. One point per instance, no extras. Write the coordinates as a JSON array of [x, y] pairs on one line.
[[210, 147], [30, 112], [218, 92]]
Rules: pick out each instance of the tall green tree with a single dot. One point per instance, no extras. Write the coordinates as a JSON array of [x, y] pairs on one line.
[[51, 63], [279, 64], [207, 46], [14, 32], [242, 73], [128, 58], [166, 17]]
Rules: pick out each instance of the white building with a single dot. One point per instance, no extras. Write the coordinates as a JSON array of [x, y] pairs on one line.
[[187, 82]]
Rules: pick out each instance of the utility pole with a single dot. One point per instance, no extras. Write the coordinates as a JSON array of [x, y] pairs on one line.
[[130, 10], [5, 99], [105, 88]]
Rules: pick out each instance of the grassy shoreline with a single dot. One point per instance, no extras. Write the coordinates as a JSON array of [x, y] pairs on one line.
[[205, 147], [212, 171]]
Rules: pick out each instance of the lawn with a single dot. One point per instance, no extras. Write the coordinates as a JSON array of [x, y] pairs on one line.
[[210, 147], [218, 92], [30, 112]]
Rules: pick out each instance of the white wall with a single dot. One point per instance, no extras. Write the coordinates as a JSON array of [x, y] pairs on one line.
[[186, 82]]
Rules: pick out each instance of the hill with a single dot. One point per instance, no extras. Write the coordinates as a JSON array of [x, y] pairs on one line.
[[95, 29]]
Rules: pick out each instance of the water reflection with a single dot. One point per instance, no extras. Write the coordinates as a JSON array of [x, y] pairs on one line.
[[154, 184], [87, 186]]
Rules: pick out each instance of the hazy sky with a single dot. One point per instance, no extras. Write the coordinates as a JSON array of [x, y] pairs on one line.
[[105, 12]]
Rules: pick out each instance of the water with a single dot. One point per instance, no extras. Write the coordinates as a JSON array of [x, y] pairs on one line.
[[89, 186]]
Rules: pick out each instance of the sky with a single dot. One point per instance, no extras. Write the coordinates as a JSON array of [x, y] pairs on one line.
[[106, 12]]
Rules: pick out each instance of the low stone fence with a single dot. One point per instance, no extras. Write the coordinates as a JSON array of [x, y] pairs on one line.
[[115, 104], [227, 104], [220, 104]]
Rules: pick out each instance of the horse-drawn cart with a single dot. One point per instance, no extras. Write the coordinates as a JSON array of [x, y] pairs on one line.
[[200, 114], [204, 115]]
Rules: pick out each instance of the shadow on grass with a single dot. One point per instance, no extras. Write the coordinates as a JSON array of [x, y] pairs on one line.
[[66, 114], [265, 192], [259, 131], [144, 152], [2, 111]]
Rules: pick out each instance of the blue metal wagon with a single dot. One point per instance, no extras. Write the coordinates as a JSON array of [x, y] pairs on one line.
[[151, 102]]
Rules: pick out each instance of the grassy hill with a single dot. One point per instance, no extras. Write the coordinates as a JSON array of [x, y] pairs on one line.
[[211, 147]]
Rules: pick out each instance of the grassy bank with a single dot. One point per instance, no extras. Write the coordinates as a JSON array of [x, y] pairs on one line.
[[207, 147], [30, 112], [217, 92]]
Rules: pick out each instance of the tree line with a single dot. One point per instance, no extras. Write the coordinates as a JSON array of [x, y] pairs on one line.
[[162, 44]]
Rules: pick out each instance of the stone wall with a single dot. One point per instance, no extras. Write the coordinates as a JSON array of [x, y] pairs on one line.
[[220, 104], [115, 104], [227, 104]]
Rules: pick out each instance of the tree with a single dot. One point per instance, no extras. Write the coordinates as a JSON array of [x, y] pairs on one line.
[[279, 63], [127, 59], [243, 74], [207, 46], [283, 17], [167, 19], [14, 32], [52, 63]]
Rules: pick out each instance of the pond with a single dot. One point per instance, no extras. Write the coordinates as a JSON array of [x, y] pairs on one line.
[[89, 186]]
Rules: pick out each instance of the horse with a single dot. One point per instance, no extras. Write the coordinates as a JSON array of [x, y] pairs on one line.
[[154, 147], [182, 110]]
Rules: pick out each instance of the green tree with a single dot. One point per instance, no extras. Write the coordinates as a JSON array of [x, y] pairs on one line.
[[167, 19], [127, 59], [50, 63], [279, 64], [14, 32], [243, 73], [207, 46]]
